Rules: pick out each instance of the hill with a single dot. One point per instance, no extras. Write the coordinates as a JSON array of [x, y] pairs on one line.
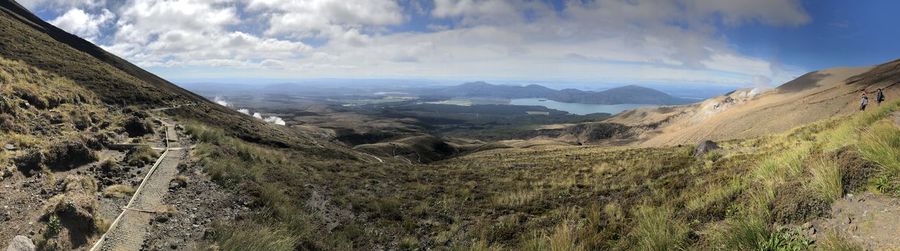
[[27, 38], [630, 94], [748, 113]]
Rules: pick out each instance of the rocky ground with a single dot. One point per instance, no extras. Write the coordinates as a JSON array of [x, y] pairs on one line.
[[196, 203], [870, 220], [26, 199]]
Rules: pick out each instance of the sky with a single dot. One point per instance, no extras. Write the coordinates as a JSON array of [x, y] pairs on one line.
[[676, 42]]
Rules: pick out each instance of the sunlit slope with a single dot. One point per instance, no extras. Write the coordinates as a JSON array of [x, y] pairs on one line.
[[752, 194], [744, 113]]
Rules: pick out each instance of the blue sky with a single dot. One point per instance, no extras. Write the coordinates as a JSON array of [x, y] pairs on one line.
[[679, 42], [842, 33]]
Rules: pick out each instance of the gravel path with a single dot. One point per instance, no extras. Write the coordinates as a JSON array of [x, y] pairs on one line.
[[129, 231]]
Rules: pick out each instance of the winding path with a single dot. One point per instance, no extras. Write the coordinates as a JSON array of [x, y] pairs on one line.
[[129, 229]]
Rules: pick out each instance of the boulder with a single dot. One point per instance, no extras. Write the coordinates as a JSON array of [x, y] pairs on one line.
[[20, 243], [705, 147]]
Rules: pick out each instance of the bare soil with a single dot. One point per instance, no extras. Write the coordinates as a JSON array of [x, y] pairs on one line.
[[873, 221]]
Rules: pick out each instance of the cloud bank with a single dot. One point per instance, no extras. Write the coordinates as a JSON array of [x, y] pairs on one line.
[[602, 40]]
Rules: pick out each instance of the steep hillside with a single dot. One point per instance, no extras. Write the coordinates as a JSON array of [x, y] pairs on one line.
[[747, 113], [630, 94], [80, 128], [25, 37]]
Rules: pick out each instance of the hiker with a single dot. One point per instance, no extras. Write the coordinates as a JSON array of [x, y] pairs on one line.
[[864, 102], [879, 97]]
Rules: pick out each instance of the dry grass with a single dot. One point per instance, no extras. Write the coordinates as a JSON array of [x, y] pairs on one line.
[[826, 178], [540, 198], [518, 198], [835, 241], [881, 144], [118, 191], [141, 156], [715, 194], [657, 229]]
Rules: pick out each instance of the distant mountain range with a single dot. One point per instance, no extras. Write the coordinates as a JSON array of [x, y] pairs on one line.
[[630, 94]]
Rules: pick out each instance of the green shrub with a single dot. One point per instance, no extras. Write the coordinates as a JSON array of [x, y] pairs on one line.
[[787, 240]]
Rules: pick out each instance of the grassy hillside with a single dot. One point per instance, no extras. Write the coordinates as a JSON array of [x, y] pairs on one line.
[[114, 81], [746, 113], [751, 194]]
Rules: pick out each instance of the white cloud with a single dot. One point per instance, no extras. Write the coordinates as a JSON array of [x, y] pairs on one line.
[[193, 33], [61, 4], [336, 19], [774, 12], [609, 40], [85, 25]]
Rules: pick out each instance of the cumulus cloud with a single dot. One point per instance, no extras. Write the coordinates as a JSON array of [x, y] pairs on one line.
[[613, 40], [85, 25]]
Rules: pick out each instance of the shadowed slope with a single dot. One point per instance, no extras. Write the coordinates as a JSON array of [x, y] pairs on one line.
[[25, 37]]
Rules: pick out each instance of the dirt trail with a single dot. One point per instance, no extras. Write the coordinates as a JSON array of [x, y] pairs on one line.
[[130, 229]]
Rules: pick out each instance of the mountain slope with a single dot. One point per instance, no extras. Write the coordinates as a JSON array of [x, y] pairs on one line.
[[745, 113], [630, 94], [25, 37]]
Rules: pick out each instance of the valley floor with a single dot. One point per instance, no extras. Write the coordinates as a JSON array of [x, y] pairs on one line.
[[757, 193]]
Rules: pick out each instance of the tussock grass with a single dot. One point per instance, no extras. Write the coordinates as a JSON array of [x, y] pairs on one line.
[[750, 228], [564, 236], [118, 191], [881, 144], [205, 134], [656, 228], [251, 236], [778, 168], [518, 198], [835, 241], [826, 178], [715, 194], [141, 155]]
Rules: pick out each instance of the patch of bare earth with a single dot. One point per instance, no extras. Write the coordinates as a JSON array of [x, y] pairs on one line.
[[870, 220], [196, 203]]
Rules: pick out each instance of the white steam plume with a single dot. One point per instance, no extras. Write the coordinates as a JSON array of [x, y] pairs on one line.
[[275, 120], [221, 101]]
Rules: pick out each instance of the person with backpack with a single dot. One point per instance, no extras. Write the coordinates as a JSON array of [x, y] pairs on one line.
[[879, 96], [863, 102]]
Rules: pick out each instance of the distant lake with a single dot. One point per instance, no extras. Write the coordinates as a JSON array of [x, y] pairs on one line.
[[577, 108]]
